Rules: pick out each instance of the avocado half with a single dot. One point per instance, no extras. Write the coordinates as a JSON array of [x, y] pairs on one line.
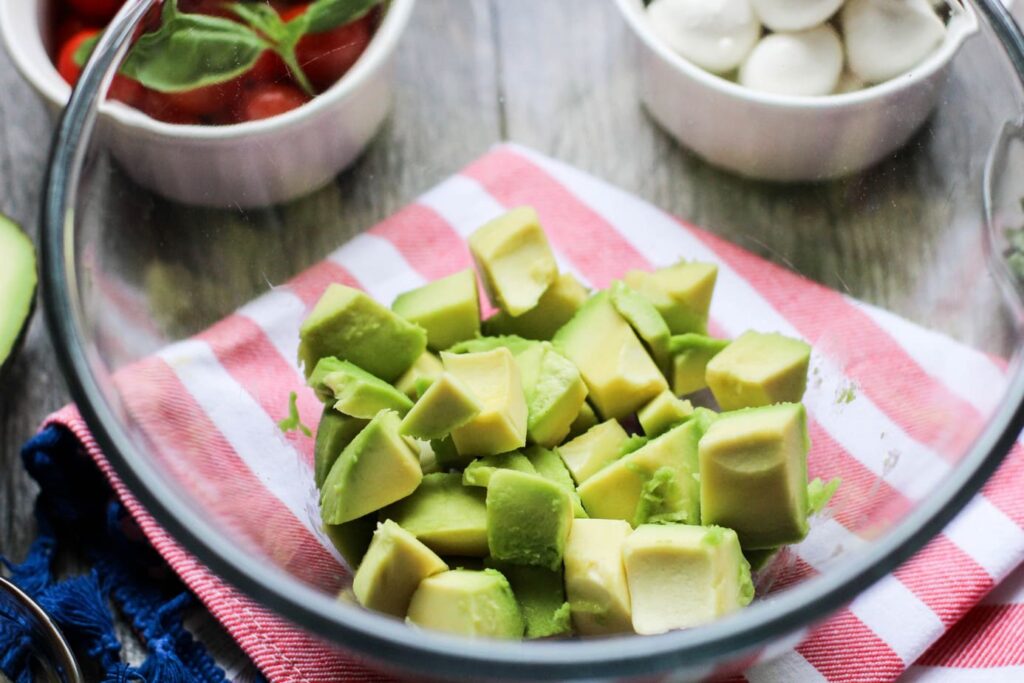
[[17, 289]]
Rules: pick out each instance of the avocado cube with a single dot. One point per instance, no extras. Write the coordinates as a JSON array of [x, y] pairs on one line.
[[350, 325], [447, 517], [448, 309], [759, 370], [476, 604], [691, 354], [586, 419], [645, 320], [446, 455], [655, 483], [555, 308], [753, 474], [681, 293], [682, 576], [618, 371], [514, 259], [392, 570], [352, 539], [423, 372], [445, 405], [358, 393], [479, 472], [528, 519], [510, 341], [663, 413], [590, 452], [540, 593], [334, 432], [554, 392], [549, 465], [493, 377], [375, 470], [595, 577]]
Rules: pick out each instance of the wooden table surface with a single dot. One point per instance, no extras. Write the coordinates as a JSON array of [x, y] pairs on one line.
[[559, 77]]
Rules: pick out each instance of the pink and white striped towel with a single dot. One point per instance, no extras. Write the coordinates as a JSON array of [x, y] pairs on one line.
[[210, 406]]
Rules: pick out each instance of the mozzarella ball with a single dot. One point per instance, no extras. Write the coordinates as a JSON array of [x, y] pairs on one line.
[[849, 83], [794, 15], [804, 63], [716, 35], [887, 38]]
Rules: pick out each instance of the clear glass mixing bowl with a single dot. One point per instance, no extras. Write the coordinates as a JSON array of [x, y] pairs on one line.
[[923, 235]]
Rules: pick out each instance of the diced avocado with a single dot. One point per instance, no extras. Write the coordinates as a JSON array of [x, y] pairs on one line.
[[460, 562], [645, 320], [446, 404], [446, 455], [350, 325], [324, 367], [352, 538], [662, 413], [550, 466], [634, 443], [514, 259], [681, 293], [17, 287], [682, 576], [448, 309], [360, 394], [586, 419], [540, 593], [392, 569], [655, 483], [759, 370], [332, 435], [593, 450], [554, 392], [376, 469], [691, 354], [528, 519], [428, 460], [595, 577], [618, 371], [426, 368], [703, 417], [510, 341], [447, 517], [493, 377], [753, 474], [555, 308], [819, 493], [759, 559], [477, 604], [479, 472]]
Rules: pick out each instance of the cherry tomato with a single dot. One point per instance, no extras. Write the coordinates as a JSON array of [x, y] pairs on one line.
[[66, 65], [160, 106], [208, 100], [124, 89], [326, 57], [68, 28], [99, 10], [270, 100], [267, 69]]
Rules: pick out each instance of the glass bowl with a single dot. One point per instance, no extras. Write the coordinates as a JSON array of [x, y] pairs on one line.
[[925, 239]]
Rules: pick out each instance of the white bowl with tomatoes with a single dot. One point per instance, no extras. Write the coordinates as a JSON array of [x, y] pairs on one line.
[[304, 91]]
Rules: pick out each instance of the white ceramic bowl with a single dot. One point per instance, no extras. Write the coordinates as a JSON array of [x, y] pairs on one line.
[[247, 164], [786, 138]]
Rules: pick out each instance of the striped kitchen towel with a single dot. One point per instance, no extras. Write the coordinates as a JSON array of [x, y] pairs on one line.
[[891, 405]]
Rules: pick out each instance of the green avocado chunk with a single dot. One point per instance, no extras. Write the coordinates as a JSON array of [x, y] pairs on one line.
[[392, 569], [17, 287], [448, 309], [514, 259], [350, 325], [493, 378], [682, 576], [662, 413], [540, 593], [445, 405], [479, 472], [681, 293], [618, 371], [554, 392], [352, 538], [691, 354], [447, 456], [528, 519], [447, 517], [425, 370], [356, 391], [334, 432], [376, 469], [598, 446], [549, 465], [759, 370], [645, 320], [595, 578], [753, 474], [476, 604], [584, 421], [555, 308], [509, 341]]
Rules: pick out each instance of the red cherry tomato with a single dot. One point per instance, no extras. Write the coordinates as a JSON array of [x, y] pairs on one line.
[[326, 57], [208, 100], [267, 69], [270, 100], [124, 89], [66, 65], [159, 106], [68, 28], [99, 10]]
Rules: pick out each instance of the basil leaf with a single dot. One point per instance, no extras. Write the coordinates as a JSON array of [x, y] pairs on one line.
[[323, 15], [263, 18], [84, 50], [191, 51]]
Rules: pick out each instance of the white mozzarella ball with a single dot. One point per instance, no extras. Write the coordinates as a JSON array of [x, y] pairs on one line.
[[716, 35], [803, 63], [794, 15], [886, 38]]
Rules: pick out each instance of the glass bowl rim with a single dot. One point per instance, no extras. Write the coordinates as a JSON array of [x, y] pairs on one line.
[[388, 640]]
